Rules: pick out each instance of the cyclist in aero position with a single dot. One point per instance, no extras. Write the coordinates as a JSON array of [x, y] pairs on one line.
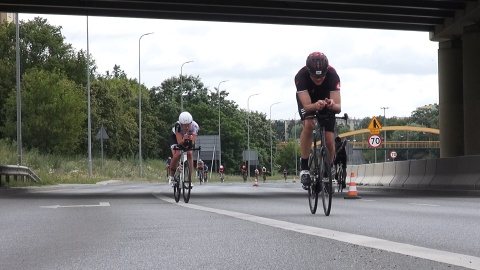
[[200, 170], [244, 172], [184, 133], [221, 170], [340, 156], [318, 89], [205, 172]]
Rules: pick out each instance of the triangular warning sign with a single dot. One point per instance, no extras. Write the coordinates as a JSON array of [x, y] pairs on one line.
[[374, 124]]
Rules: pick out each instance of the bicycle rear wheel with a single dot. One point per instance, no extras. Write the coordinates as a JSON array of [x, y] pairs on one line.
[[327, 185], [313, 189], [187, 182]]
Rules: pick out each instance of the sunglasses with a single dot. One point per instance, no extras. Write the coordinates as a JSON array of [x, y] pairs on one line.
[[318, 76]]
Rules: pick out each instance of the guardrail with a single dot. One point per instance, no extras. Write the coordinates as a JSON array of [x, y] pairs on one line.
[[16, 170]]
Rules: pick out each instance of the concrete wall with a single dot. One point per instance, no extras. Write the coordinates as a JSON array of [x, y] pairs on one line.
[[461, 173]]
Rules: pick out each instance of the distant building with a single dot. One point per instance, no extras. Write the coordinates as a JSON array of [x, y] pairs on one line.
[[6, 16], [427, 107]]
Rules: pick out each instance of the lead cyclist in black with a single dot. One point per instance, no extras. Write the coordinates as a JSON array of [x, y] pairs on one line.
[[318, 89]]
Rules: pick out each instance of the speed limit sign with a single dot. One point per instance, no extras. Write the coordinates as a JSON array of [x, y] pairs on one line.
[[393, 154], [374, 141]]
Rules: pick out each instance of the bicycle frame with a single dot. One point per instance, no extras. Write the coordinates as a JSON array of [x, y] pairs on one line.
[[320, 165], [180, 183]]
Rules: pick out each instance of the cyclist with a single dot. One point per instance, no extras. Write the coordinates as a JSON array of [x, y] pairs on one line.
[[205, 173], [200, 169], [318, 89], [167, 162], [221, 170], [244, 170], [341, 156], [184, 133], [264, 173]]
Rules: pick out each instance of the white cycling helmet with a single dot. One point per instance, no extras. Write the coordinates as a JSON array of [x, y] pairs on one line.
[[185, 118]]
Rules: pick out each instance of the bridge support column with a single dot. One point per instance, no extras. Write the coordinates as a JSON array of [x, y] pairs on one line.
[[471, 88], [450, 84]]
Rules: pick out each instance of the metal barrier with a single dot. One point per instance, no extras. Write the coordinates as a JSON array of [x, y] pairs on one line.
[[16, 170]]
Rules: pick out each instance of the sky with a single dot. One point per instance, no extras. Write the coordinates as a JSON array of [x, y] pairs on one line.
[[377, 68]]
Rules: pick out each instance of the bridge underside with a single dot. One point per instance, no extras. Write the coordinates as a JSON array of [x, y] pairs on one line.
[[442, 18]]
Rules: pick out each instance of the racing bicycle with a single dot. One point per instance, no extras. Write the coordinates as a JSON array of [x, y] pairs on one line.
[[320, 164], [183, 175], [200, 175]]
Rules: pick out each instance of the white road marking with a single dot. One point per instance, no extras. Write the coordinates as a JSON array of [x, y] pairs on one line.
[[72, 206], [425, 204], [366, 241]]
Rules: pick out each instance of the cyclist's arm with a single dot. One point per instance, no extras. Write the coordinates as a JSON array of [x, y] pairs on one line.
[[307, 104], [336, 106]]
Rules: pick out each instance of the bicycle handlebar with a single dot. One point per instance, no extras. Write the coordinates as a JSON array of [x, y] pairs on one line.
[[329, 114], [182, 148]]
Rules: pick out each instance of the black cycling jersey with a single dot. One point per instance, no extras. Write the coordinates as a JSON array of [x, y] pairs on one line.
[[303, 82]]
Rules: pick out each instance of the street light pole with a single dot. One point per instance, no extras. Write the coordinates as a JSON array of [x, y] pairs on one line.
[[181, 85], [384, 132], [248, 133], [140, 109], [271, 151], [219, 140]]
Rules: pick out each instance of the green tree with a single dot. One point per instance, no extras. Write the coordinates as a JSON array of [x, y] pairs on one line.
[[53, 112]]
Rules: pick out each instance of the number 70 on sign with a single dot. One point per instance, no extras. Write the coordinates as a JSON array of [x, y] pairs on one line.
[[374, 141]]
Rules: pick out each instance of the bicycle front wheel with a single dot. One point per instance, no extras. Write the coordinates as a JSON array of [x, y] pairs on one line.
[[313, 189], [327, 185], [187, 182]]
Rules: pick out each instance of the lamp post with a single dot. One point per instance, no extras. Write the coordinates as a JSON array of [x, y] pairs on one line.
[[271, 151], [140, 109], [220, 149], [384, 132], [248, 133], [181, 85]]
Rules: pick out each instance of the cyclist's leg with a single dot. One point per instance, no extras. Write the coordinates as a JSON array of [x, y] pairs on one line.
[[190, 162], [175, 156], [306, 139]]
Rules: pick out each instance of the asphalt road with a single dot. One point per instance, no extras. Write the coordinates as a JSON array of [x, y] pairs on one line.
[[122, 225]]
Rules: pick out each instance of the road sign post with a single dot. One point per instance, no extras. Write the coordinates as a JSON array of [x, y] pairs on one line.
[[374, 141]]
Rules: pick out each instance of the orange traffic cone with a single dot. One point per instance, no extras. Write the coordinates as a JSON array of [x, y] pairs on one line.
[[255, 184], [352, 188]]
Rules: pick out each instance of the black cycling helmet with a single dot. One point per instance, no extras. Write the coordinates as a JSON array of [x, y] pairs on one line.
[[317, 64]]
